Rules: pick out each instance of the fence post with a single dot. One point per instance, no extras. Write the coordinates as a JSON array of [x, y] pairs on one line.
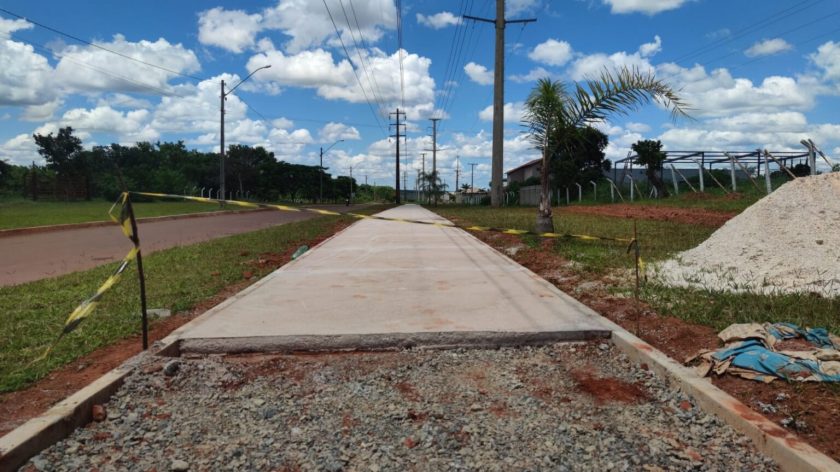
[[594, 190], [674, 181], [767, 182], [580, 192], [632, 192], [732, 172], [700, 170], [135, 238]]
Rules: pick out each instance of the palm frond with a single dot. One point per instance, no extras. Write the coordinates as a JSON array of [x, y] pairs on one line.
[[620, 93]]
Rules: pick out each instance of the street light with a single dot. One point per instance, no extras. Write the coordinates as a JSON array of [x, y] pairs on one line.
[[222, 127], [321, 174]]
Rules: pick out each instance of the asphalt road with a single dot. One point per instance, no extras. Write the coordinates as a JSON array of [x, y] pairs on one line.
[[28, 257]]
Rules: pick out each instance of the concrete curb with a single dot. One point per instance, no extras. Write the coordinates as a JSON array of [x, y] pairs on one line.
[[383, 341], [787, 449], [39, 433], [96, 224], [58, 422]]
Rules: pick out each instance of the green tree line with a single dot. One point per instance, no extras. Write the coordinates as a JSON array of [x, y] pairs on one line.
[[170, 167]]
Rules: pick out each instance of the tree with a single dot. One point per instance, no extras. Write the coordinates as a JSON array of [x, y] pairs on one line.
[[60, 151], [554, 116], [581, 159], [650, 154]]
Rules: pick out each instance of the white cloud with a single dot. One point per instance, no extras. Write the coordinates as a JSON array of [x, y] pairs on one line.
[[305, 69], [26, 77], [129, 125], [768, 47], [648, 7], [41, 112], [827, 58], [198, 109], [532, 76], [649, 49], [719, 94], [282, 123], [233, 30], [438, 20], [638, 127], [8, 27], [592, 65], [513, 112], [104, 71], [338, 131], [552, 52], [308, 24], [21, 150], [515, 7], [479, 74]]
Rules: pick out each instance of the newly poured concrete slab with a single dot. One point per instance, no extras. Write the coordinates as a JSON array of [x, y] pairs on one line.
[[407, 283]]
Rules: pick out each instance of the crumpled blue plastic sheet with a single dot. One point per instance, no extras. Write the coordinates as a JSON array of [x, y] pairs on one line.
[[817, 336], [753, 355]]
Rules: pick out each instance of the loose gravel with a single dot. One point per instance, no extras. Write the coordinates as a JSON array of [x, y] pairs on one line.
[[580, 406]]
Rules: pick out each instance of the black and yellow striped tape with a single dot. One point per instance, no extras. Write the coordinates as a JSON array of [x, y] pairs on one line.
[[513, 231]]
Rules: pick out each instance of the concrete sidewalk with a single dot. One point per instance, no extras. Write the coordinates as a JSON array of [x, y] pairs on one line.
[[407, 283]]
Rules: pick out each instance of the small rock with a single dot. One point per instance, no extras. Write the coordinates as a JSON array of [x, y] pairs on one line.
[[820, 242], [258, 402], [159, 312], [171, 367], [685, 405], [475, 407], [604, 346], [99, 413], [179, 466]]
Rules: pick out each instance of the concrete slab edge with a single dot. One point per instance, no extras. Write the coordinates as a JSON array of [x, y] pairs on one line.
[[96, 224], [383, 341], [787, 449], [37, 434], [58, 422]]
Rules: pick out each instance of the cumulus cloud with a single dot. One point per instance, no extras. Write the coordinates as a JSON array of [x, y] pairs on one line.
[[719, 94], [827, 58], [233, 30], [374, 18], [532, 76], [638, 127], [104, 71], [515, 7], [41, 112], [648, 7], [649, 49], [768, 47], [438, 20], [479, 74], [305, 69], [26, 77], [335, 131], [552, 52], [513, 112]]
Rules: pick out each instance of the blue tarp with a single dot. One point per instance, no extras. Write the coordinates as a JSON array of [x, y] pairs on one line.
[[753, 355]]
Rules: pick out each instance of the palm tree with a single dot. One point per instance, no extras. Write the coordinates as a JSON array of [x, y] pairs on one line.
[[554, 116]]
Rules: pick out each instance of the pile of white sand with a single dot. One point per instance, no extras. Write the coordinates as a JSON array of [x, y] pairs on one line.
[[789, 241]]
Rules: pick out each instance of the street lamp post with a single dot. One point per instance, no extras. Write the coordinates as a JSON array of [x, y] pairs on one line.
[[223, 97], [321, 174]]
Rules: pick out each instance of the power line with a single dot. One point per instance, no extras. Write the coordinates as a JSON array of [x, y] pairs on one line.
[[375, 116], [400, 49], [373, 91], [769, 20], [76, 38], [367, 48]]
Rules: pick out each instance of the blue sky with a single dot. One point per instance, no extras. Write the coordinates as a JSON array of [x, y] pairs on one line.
[[757, 73]]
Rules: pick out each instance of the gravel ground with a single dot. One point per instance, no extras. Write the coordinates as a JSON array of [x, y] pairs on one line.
[[579, 406]]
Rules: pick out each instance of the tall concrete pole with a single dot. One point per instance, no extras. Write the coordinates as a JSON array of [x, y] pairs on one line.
[[434, 156], [496, 197], [222, 144]]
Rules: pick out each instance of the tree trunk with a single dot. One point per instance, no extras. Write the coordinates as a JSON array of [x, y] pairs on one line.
[[545, 223], [657, 182]]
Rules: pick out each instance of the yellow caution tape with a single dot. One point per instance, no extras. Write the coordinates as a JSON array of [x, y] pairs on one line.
[[513, 231]]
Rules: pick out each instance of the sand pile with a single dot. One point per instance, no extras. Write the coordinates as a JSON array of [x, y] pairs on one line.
[[789, 241]]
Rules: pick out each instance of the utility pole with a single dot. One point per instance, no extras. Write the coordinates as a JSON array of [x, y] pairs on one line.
[[223, 97], [423, 175], [472, 175], [434, 157], [405, 176], [498, 98], [457, 171], [397, 135], [351, 185]]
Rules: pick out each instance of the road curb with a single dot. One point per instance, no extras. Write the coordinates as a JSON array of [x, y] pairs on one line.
[[96, 224], [786, 448]]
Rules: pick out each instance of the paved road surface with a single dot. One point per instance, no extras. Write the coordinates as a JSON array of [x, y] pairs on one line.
[[441, 285], [28, 257]]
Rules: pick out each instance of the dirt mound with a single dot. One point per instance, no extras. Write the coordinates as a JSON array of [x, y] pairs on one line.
[[698, 216], [789, 241]]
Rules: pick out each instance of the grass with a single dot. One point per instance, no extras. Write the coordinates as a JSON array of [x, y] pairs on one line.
[[33, 314], [659, 240], [19, 213]]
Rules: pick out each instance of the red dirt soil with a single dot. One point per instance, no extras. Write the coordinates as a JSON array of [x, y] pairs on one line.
[[606, 390], [18, 407], [816, 405], [696, 216]]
